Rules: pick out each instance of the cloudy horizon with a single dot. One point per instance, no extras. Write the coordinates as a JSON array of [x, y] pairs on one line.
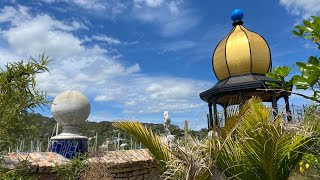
[[137, 58]]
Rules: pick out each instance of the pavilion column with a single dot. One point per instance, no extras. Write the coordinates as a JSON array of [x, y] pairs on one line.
[[274, 104], [216, 124], [289, 115], [210, 117]]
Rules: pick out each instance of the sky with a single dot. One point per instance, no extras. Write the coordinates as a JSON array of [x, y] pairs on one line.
[[135, 59]]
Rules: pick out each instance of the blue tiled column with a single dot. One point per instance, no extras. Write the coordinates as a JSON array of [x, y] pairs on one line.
[[69, 147]]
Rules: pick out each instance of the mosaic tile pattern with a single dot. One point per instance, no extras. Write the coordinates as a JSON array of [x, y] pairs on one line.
[[69, 148]]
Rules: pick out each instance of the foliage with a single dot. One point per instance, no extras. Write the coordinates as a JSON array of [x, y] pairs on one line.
[[309, 77], [234, 114], [18, 96], [310, 72], [310, 30], [279, 74], [105, 130], [20, 172], [148, 138], [73, 169], [310, 164], [190, 162], [272, 148], [43, 128], [200, 134], [254, 148], [96, 171]]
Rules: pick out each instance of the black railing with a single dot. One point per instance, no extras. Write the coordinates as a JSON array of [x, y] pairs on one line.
[[297, 113]]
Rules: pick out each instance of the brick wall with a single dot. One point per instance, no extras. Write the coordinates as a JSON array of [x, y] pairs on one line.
[[121, 165], [129, 165]]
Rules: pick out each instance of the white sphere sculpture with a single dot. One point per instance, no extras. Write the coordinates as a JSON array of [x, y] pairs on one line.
[[70, 108]]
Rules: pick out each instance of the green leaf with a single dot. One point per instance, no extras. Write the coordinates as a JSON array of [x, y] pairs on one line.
[[313, 60], [271, 75], [301, 64], [296, 33], [312, 79], [306, 23], [300, 84], [314, 17], [314, 68], [272, 84]]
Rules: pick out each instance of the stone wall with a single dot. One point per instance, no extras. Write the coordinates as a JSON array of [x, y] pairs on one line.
[[121, 165], [129, 164]]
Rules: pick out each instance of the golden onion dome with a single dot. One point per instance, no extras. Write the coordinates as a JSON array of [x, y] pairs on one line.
[[241, 52]]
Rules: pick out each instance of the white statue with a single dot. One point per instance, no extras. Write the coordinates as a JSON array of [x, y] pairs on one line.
[[166, 118], [166, 122]]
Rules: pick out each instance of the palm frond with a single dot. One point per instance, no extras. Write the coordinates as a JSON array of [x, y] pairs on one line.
[[149, 139], [270, 147], [191, 162]]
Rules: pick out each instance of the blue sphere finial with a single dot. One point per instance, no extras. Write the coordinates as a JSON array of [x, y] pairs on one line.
[[237, 15]]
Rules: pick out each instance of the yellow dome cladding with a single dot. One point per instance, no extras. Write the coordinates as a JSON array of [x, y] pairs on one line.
[[260, 52], [241, 52], [219, 61]]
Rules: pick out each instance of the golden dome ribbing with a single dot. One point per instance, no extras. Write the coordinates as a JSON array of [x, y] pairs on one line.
[[241, 52]]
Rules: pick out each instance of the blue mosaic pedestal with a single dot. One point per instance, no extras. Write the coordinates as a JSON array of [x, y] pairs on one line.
[[69, 147]]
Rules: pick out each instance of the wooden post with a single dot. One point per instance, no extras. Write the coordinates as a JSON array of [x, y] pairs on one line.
[[289, 115], [210, 116], [216, 124], [274, 105]]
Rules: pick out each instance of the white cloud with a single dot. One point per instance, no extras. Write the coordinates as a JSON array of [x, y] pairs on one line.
[[6, 56], [309, 45], [34, 38], [303, 8], [86, 4], [40, 33], [107, 39], [171, 16], [92, 70], [178, 46], [143, 94], [150, 3], [110, 8], [11, 14]]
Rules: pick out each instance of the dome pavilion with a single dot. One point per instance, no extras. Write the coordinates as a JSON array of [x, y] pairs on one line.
[[240, 62]]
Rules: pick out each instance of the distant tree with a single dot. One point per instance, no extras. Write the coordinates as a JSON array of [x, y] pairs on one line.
[[309, 76], [18, 97]]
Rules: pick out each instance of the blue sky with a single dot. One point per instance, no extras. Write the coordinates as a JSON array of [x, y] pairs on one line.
[[135, 59]]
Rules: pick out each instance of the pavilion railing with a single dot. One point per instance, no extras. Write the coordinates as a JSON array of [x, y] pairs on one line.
[[297, 113]]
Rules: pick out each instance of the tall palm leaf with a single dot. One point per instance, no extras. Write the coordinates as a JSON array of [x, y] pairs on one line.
[[149, 139], [231, 158], [272, 148], [188, 162], [192, 162]]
